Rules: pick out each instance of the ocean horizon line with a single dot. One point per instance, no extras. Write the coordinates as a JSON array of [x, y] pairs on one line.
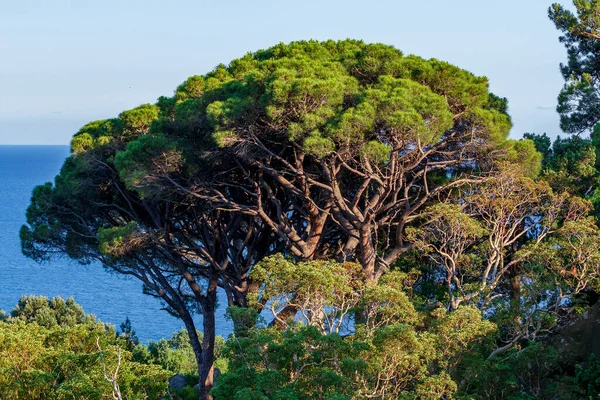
[[33, 144]]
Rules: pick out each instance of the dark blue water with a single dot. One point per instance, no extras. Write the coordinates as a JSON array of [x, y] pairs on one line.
[[109, 296]]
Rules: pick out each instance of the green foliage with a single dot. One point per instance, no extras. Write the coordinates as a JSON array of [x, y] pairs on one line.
[[399, 360], [137, 165], [317, 145], [224, 138], [327, 97], [117, 241], [575, 155], [571, 165], [326, 293], [498, 103], [298, 363], [447, 225], [534, 372], [126, 332], [63, 362], [543, 145], [588, 377], [48, 350], [50, 313], [82, 143], [376, 152], [282, 277], [96, 134], [578, 100], [137, 121], [525, 153], [391, 350], [176, 354]]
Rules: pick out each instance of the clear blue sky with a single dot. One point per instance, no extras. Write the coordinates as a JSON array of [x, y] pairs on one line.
[[64, 62]]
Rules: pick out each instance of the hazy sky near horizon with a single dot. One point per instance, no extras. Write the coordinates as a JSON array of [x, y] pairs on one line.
[[66, 62]]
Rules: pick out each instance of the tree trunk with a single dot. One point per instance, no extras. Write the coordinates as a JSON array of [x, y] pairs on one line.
[[194, 341], [207, 364], [367, 250], [347, 252], [515, 288], [206, 367]]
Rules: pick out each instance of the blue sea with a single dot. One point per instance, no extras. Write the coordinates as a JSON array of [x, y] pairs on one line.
[[111, 297]]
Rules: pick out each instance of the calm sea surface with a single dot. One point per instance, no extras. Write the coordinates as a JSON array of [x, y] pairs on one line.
[[109, 296]]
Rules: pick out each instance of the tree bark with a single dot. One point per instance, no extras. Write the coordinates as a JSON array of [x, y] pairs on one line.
[[515, 288], [194, 341], [368, 256], [207, 364], [288, 312]]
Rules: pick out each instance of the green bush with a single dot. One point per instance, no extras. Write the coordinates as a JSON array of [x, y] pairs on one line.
[[51, 349]]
